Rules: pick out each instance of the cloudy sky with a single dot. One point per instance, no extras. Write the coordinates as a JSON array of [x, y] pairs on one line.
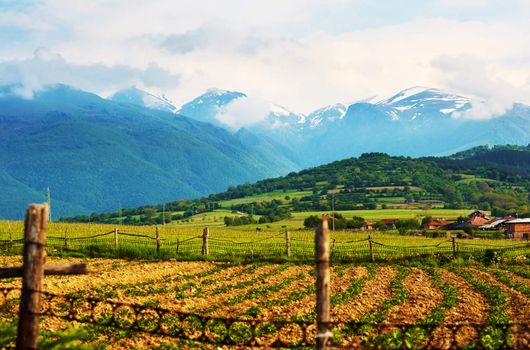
[[302, 54]]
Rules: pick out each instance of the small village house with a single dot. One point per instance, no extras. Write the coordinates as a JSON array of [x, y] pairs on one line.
[[435, 224], [518, 228], [389, 223], [478, 218], [497, 224], [368, 226]]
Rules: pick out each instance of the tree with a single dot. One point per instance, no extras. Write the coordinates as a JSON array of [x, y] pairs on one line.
[[407, 224], [356, 222], [149, 212], [312, 221], [426, 219], [167, 217], [380, 226]]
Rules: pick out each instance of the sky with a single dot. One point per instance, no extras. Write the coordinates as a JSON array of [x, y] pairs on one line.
[[301, 54]]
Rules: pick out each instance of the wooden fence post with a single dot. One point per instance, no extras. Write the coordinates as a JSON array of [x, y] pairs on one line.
[[322, 254], [32, 272], [116, 243], [371, 241], [455, 247], [178, 244], [205, 234], [65, 241], [157, 241], [287, 244]]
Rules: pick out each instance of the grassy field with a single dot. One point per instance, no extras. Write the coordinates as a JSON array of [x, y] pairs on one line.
[[228, 244], [209, 219], [280, 195], [296, 222]]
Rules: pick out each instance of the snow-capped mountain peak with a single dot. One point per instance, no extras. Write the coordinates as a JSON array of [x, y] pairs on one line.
[[412, 103], [143, 98], [326, 114], [277, 111], [404, 94]]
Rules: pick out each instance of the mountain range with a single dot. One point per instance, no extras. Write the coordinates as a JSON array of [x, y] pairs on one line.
[[415, 122], [136, 147]]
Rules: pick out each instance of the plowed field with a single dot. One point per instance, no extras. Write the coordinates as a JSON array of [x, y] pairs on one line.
[[371, 303]]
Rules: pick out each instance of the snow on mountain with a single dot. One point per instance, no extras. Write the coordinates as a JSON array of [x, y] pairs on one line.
[[214, 103], [416, 101], [143, 98], [281, 115], [404, 95], [326, 114], [417, 121], [208, 105]]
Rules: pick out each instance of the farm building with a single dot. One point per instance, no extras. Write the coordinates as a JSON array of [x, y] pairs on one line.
[[478, 218], [368, 226], [435, 224], [499, 224], [389, 223], [518, 229]]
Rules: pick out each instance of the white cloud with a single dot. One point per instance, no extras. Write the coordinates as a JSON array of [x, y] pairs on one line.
[[492, 90], [303, 54], [46, 68], [243, 111]]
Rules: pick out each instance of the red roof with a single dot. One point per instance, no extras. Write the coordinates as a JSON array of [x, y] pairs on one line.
[[432, 223], [478, 221], [437, 222], [389, 221]]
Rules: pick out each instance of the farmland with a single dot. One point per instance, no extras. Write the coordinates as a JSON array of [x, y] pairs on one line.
[[295, 222], [257, 288], [227, 244], [368, 300]]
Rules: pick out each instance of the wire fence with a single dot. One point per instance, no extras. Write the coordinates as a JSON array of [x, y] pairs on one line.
[[273, 333], [272, 247]]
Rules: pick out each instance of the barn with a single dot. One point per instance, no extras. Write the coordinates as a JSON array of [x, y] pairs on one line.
[[518, 228]]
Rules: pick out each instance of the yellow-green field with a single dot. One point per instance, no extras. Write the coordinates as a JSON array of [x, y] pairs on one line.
[[296, 222], [269, 196]]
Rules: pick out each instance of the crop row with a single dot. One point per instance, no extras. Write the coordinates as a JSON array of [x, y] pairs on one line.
[[368, 300]]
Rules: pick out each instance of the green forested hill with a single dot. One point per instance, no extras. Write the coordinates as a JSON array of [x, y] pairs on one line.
[[375, 180], [98, 155], [499, 162]]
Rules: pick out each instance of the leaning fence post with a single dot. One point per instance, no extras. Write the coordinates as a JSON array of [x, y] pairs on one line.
[[178, 244], [116, 243], [371, 241], [287, 244], [455, 247], [32, 272], [322, 254], [157, 241], [205, 233]]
